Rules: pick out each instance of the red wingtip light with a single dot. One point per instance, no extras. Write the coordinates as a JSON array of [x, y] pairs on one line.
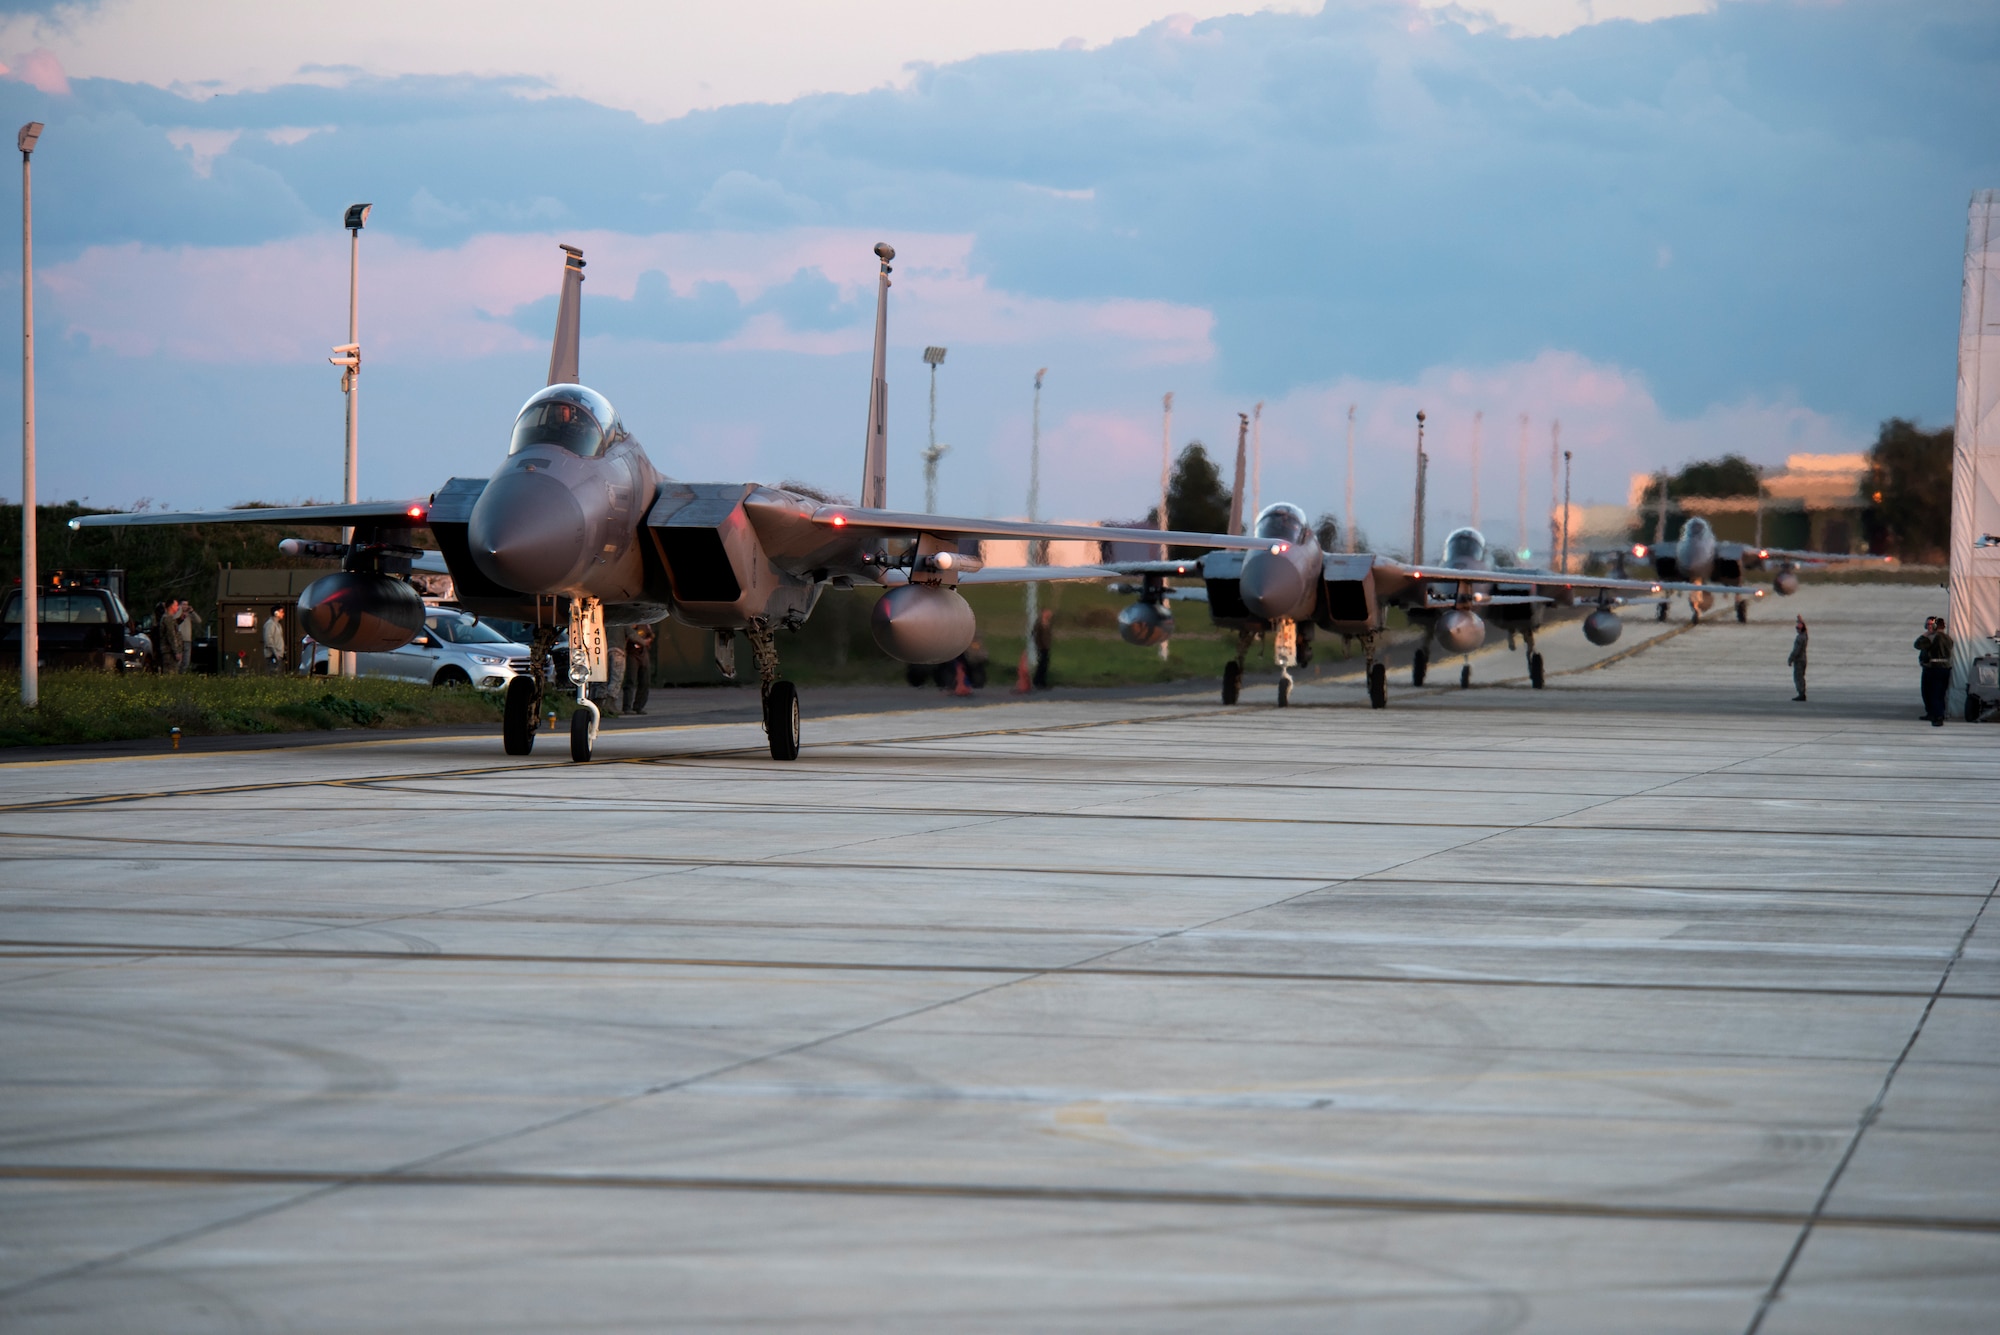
[[1280, 548], [416, 512], [1638, 550], [840, 521]]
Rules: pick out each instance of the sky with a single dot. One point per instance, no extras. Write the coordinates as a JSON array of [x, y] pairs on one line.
[[1673, 227]]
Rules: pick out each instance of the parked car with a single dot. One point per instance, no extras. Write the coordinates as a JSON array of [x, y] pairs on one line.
[[453, 649], [76, 627]]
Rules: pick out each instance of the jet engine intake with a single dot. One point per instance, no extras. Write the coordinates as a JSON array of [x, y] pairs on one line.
[[1146, 624], [1459, 631], [1603, 626], [364, 612], [923, 623]]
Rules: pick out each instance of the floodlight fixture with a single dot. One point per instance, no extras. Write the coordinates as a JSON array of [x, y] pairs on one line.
[[934, 356], [357, 217], [29, 134]]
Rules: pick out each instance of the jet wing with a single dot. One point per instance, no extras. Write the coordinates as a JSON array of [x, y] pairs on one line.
[[395, 513], [1013, 575], [1541, 579], [907, 522], [1814, 558]]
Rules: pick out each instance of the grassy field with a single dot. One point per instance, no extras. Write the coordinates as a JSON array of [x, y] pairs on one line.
[[96, 706]]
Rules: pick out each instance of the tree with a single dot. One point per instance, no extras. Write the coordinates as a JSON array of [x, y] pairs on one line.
[[1909, 491], [1197, 502], [1731, 475]]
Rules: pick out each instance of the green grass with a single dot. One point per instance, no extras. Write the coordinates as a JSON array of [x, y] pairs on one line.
[[95, 706]]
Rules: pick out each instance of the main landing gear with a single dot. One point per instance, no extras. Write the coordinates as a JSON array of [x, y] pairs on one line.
[[1419, 666], [1232, 673], [1377, 675], [1535, 674], [781, 698], [1465, 677], [521, 715], [1742, 610], [1663, 613]]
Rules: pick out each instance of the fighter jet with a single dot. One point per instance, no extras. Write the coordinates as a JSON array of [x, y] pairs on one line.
[[1288, 587], [1717, 567], [577, 529]]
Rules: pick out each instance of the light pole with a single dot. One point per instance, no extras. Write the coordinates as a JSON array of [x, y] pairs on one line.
[[1565, 564], [1166, 475], [1348, 514], [1555, 462], [31, 575], [1521, 520], [1478, 426], [1256, 462], [348, 357], [1034, 505], [1417, 528], [933, 358]]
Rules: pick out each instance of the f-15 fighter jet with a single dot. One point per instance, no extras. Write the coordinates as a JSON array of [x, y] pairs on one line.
[[1717, 567], [577, 528], [1288, 587]]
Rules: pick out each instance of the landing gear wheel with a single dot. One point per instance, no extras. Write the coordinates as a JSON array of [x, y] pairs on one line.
[[1284, 692], [582, 732], [1742, 610], [1535, 676], [1973, 707], [1232, 682], [1418, 666], [781, 720], [1694, 616], [1663, 612], [1378, 686], [1465, 677], [517, 726]]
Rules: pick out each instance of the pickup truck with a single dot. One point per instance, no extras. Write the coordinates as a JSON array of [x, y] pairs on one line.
[[79, 627]]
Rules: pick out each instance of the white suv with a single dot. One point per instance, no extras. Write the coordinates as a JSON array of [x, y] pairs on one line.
[[453, 649]]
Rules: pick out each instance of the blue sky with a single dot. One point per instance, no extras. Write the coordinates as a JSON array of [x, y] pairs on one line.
[[1736, 228]]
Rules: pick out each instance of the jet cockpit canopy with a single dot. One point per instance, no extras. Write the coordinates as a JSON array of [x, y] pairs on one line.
[[570, 417], [1465, 547], [1282, 523]]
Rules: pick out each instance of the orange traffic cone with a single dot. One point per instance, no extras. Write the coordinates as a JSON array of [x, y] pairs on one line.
[[1023, 684]]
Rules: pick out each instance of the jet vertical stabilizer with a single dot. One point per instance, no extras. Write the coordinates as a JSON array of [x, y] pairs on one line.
[[875, 459], [569, 321]]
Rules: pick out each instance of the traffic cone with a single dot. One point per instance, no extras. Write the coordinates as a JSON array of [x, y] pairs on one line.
[[1023, 683]]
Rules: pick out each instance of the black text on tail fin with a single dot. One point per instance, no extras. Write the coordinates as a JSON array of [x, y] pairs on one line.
[[875, 458], [569, 321]]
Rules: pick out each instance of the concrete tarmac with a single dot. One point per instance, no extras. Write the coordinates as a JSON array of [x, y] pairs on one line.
[[1649, 1001]]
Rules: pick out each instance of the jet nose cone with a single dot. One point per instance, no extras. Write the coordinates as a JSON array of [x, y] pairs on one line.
[[1271, 586], [527, 532]]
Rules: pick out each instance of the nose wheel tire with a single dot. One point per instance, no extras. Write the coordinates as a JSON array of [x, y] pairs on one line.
[[582, 732], [1742, 611], [1378, 686], [1535, 675], [1465, 677], [517, 726], [1418, 666], [1232, 682], [781, 720], [1663, 612], [1284, 692]]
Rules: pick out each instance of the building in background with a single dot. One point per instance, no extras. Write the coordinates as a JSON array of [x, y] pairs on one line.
[[1815, 503]]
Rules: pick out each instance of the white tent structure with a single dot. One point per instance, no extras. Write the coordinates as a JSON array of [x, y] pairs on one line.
[[1975, 464]]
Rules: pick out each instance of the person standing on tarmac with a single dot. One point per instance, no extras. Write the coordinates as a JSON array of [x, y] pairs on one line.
[[1044, 636], [1798, 660], [1934, 651], [638, 669], [274, 642]]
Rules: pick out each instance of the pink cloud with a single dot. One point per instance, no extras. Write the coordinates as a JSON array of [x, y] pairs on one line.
[[42, 71]]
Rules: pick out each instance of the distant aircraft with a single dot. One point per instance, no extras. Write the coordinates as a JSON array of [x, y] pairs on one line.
[[1717, 567], [578, 529], [1290, 586]]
